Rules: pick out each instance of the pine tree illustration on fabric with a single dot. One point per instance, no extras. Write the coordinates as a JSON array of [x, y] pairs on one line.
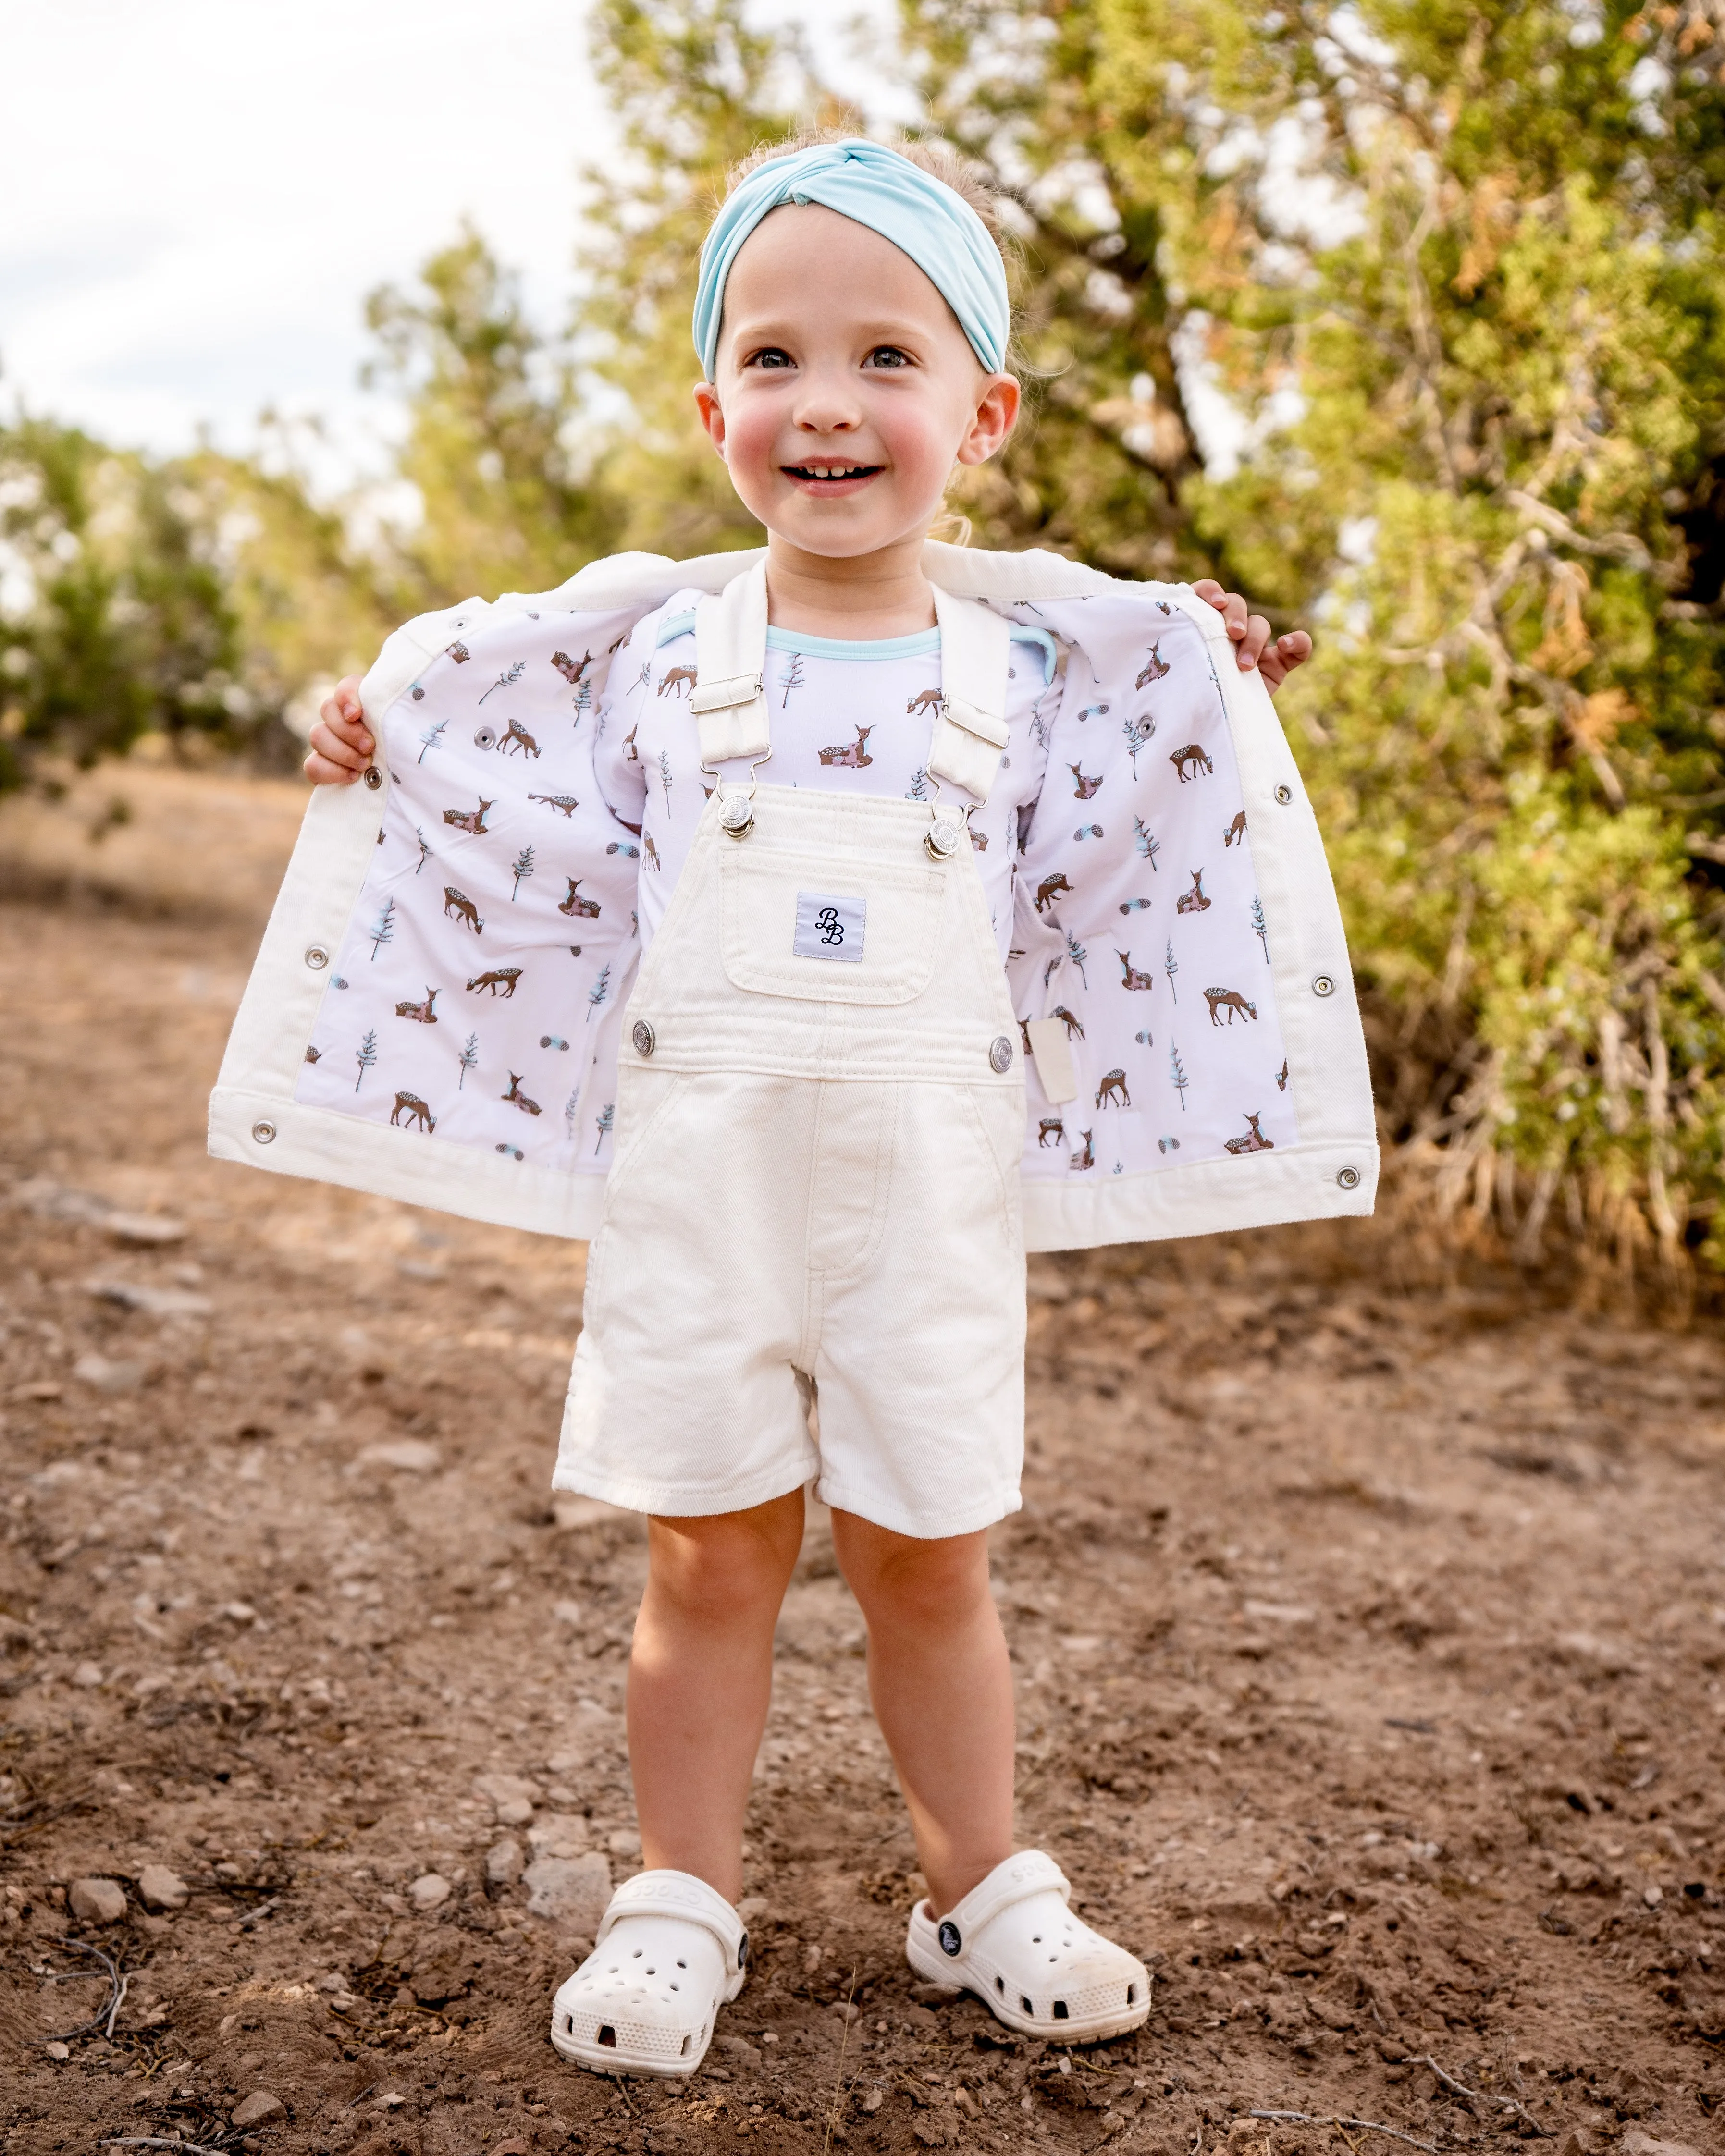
[[468, 1059], [1171, 966], [424, 849], [792, 678], [603, 1123], [1260, 927], [1148, 846], [600, 990], [509, 675], [665, 777], [1138, 732], [430, 738], [382, 929], [917, 790], [583, 699], [366, 1054], [1077, 953], [521, 867], [1177, 1073]]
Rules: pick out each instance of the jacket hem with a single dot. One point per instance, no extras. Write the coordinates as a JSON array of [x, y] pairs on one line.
[[1207, 1198]]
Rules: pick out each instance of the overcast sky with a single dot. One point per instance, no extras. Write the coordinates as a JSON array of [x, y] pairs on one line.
[[196, 195]]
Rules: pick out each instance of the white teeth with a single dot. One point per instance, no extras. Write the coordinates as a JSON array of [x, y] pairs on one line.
[[834, 472]]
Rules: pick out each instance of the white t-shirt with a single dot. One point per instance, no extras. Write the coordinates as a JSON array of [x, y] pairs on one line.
[[845, 717]]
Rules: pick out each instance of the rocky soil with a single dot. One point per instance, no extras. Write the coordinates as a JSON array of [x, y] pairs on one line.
[[1371, 1639]]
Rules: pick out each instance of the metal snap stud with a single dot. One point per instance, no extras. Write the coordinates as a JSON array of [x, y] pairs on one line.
[[643, 1038], [317, 957], [374, 777], [1284, 794], [1001, 1056], [737, 816], [263, 1132], [1349, 1178], [1324, 986], [943, 838]]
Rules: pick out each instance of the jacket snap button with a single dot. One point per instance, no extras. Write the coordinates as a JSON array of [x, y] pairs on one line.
[[374, 777], [263, 1132], [643, 1037], [1349, 1178], [1001, 1056], [1324, 986], [1284, 794], [317, 957]]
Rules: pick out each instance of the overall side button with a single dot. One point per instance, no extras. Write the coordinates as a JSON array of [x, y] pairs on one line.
[[643, 1038]]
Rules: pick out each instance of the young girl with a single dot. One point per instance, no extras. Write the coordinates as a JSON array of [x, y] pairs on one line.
[[884, 833]]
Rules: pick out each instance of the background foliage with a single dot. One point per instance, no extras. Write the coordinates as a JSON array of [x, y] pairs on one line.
[[1407, 318]]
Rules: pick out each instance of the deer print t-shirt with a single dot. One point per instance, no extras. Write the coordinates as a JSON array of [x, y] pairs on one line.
[[845, 715]]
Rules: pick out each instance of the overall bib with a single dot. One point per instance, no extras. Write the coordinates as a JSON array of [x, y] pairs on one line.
[[814, 1193]]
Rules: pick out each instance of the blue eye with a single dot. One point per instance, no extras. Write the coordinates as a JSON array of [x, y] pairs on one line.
[[888, 355], [773, 356]]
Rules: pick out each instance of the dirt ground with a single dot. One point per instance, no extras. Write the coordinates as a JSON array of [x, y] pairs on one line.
[[1370, 1638]]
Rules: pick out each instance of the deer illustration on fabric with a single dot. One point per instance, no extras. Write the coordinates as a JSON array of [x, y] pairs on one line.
[[469, 819], [1236, 829], [566, 803], [505, 978], [649, 853], [1050, 1130], [1064, 1016], [1087, 1157], [1231, 1000], [1113, 1087], [1252, 1140], [575, 906], [423, 1012], [1156, 667], [682, 679], [925, 700], [849, 758], [1192, 900], [516, 736], [1083, 788], [631, 754], [571, 670], [515, 1094], [460, 653], [419, 1115], [1281, 1076], [458, 903], [1131, 977], [1050, 889], [1194, 755]]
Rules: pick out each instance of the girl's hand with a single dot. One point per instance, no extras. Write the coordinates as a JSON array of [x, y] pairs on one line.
[[341, 744], [1251, 633]]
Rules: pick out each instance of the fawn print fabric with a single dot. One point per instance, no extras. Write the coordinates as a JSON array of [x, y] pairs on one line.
[[436, 1010]]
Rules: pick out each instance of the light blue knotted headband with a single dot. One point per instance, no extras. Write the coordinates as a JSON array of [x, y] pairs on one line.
[[920, 214]]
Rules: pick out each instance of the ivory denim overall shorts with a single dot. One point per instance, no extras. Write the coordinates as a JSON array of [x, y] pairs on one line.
[[820, 1113]]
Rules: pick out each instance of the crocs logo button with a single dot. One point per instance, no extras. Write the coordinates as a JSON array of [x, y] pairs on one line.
[[950, 1943]]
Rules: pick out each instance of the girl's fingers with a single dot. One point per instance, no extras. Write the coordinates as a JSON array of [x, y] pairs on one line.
[[322, 772], [336, 745], [1257, 635], [345, 722]]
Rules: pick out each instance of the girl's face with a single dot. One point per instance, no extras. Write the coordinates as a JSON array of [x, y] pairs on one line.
[[845, 389]]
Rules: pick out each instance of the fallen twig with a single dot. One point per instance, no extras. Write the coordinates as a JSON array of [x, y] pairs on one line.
[[257, 1915], [161, 2140], [1359, 2126], [1479, 2096], [838, 2089], [104, 2017]]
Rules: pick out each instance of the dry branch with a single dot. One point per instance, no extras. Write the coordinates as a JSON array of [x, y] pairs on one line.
[[1359, 2126]]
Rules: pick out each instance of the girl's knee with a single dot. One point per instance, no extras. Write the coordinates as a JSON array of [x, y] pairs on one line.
[[727, 1562], [908, 1578]]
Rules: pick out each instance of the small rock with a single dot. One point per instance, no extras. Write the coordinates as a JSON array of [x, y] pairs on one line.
[[87, 1676], [936, 1995], [106, 1376], [38, 1389], [98, 1901], [569, 1612], [624, 1842], [259, 2106], [239, 1613], [411, 1455], [429, 1890], [737, 2047], [150, 1301], [558, 1835], [511, 1797], [571, 1892], [151, 1229], [1637, 2144], [1653, 1896], [503, 1862], [58, 2050], [752, 1909], [159, 1888]]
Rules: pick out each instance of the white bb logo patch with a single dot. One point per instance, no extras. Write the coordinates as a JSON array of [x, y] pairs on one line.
[[829, 926]]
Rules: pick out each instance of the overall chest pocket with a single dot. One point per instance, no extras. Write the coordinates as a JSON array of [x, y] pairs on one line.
[[826, 928]]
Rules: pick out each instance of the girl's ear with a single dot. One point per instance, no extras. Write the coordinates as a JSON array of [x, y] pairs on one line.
[[997, 414], [706, 402]]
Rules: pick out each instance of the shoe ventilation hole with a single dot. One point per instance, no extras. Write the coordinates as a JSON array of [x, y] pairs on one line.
[[683, 2052], [682, 1964], [1132, 1994], [652, 1972], [1000, 1985], [568, 2024], [1036, 1938], [1060, 2009], [677, 1987], [608, 2036], [1027, 2007], [638, 1953]]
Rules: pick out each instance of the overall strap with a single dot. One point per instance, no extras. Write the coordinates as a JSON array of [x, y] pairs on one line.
[[970, 732], [729, 701]]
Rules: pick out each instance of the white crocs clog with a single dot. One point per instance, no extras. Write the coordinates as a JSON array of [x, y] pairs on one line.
[[1044, 1972], [672, 1951]]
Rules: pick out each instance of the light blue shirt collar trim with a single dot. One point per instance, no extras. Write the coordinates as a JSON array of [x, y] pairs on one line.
[[924, 644]]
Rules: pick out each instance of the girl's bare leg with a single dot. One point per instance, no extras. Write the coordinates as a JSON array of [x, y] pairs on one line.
[[942, 1685], [700, 1680]]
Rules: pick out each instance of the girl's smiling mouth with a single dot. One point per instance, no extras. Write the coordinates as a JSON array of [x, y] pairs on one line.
[[828, 478]]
